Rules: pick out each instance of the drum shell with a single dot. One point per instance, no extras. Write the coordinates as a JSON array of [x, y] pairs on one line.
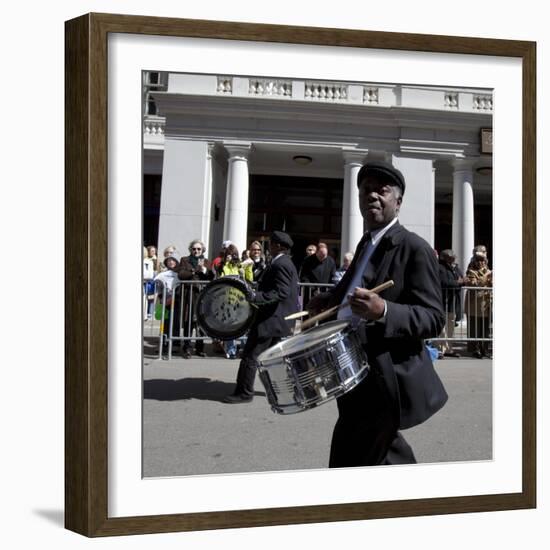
[[299, 381]]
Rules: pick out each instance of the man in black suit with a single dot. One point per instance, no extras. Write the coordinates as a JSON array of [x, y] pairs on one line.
[[276, 297], [402, 388], [319, 267]]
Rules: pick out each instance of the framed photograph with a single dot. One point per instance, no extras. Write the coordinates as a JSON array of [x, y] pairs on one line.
[[160, 115]]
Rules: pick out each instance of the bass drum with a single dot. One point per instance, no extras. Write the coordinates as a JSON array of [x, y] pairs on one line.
[[224, 310], [312, 368]]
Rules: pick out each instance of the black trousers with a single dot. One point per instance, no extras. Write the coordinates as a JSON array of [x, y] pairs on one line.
[[187, 330], [366, 432], [249, 363]]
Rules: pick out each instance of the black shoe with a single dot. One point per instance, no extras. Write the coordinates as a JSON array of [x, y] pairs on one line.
[[200, 354], [477, 355], [185, 353], [239, 398]]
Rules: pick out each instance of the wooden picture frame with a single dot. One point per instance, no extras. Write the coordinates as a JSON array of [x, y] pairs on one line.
[[86, 233]]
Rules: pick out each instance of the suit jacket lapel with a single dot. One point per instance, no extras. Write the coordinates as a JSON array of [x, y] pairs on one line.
[[379, 263], [341, 287]]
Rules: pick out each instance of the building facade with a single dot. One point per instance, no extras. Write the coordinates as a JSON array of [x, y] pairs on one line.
[[235, 157]]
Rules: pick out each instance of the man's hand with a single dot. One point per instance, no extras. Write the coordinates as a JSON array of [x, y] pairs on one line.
[[367, 304], [318, 303]]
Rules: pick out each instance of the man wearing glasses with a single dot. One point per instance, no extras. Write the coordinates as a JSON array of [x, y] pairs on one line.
[[194, 267]]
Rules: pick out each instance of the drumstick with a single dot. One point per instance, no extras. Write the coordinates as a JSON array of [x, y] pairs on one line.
[[297, 315], [300, 314], [327, 313]]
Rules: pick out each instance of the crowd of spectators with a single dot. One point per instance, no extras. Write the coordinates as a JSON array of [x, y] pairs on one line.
[[468, 295], [465, 296], [173, 267]]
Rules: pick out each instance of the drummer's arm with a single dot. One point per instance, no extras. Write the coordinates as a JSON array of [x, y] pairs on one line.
[[422, 315]]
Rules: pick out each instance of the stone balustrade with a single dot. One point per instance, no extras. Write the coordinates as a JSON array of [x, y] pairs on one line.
[[264, 87], [225, 85], [153, 131], [326, 91], [451, 100], [483, 102]]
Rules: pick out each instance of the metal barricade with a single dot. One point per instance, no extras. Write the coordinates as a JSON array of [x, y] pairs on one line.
[[468, 318], [154, 312], [306, 291], [171, 314], [179, 324]]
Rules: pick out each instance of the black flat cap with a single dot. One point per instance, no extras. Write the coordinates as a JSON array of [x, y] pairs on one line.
[[282, 238], [384, 171]]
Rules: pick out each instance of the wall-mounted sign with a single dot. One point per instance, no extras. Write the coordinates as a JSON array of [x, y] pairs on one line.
[[486, 139]]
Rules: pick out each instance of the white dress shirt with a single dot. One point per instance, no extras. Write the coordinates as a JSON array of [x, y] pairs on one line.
[[345, 314]]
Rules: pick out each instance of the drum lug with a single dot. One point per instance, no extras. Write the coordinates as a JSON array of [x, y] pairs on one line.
[[332, 351], [320, 388], [319, 383], [298, 390]]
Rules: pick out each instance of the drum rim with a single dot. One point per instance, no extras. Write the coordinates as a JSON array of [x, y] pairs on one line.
[[344, 332]]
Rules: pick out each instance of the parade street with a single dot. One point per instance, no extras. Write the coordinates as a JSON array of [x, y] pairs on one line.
[[188, 430]]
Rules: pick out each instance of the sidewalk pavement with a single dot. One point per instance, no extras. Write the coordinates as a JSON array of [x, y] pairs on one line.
[[188, 430]]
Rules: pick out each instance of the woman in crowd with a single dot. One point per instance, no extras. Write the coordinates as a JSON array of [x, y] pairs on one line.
[[168, 278], [148, 285], [479, 303], [218, 261], [194, 267], [232, 266], [170, 250], [259, 265], [152, 254]]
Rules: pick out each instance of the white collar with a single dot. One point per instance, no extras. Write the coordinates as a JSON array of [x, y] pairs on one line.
[[377, 234]]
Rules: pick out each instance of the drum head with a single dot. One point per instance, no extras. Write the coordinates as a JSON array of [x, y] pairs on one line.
[[306, 340], [224, 310]]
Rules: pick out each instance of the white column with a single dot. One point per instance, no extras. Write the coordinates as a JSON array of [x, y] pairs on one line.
[[352, 221], [463, 211], [207, 205], [236, 201], [182, 205]]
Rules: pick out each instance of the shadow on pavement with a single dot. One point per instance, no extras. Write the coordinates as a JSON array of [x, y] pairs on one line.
[[188, 388]]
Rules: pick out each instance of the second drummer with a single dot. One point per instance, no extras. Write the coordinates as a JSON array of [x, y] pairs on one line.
[[276, 298]]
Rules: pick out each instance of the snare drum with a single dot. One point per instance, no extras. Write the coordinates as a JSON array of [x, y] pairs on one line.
[[223, 308], [313, 367]]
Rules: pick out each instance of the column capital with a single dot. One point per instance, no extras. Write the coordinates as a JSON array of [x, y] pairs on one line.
[[375, 155], [463, 164], [210, 150], [353, 155], [238, 150]]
